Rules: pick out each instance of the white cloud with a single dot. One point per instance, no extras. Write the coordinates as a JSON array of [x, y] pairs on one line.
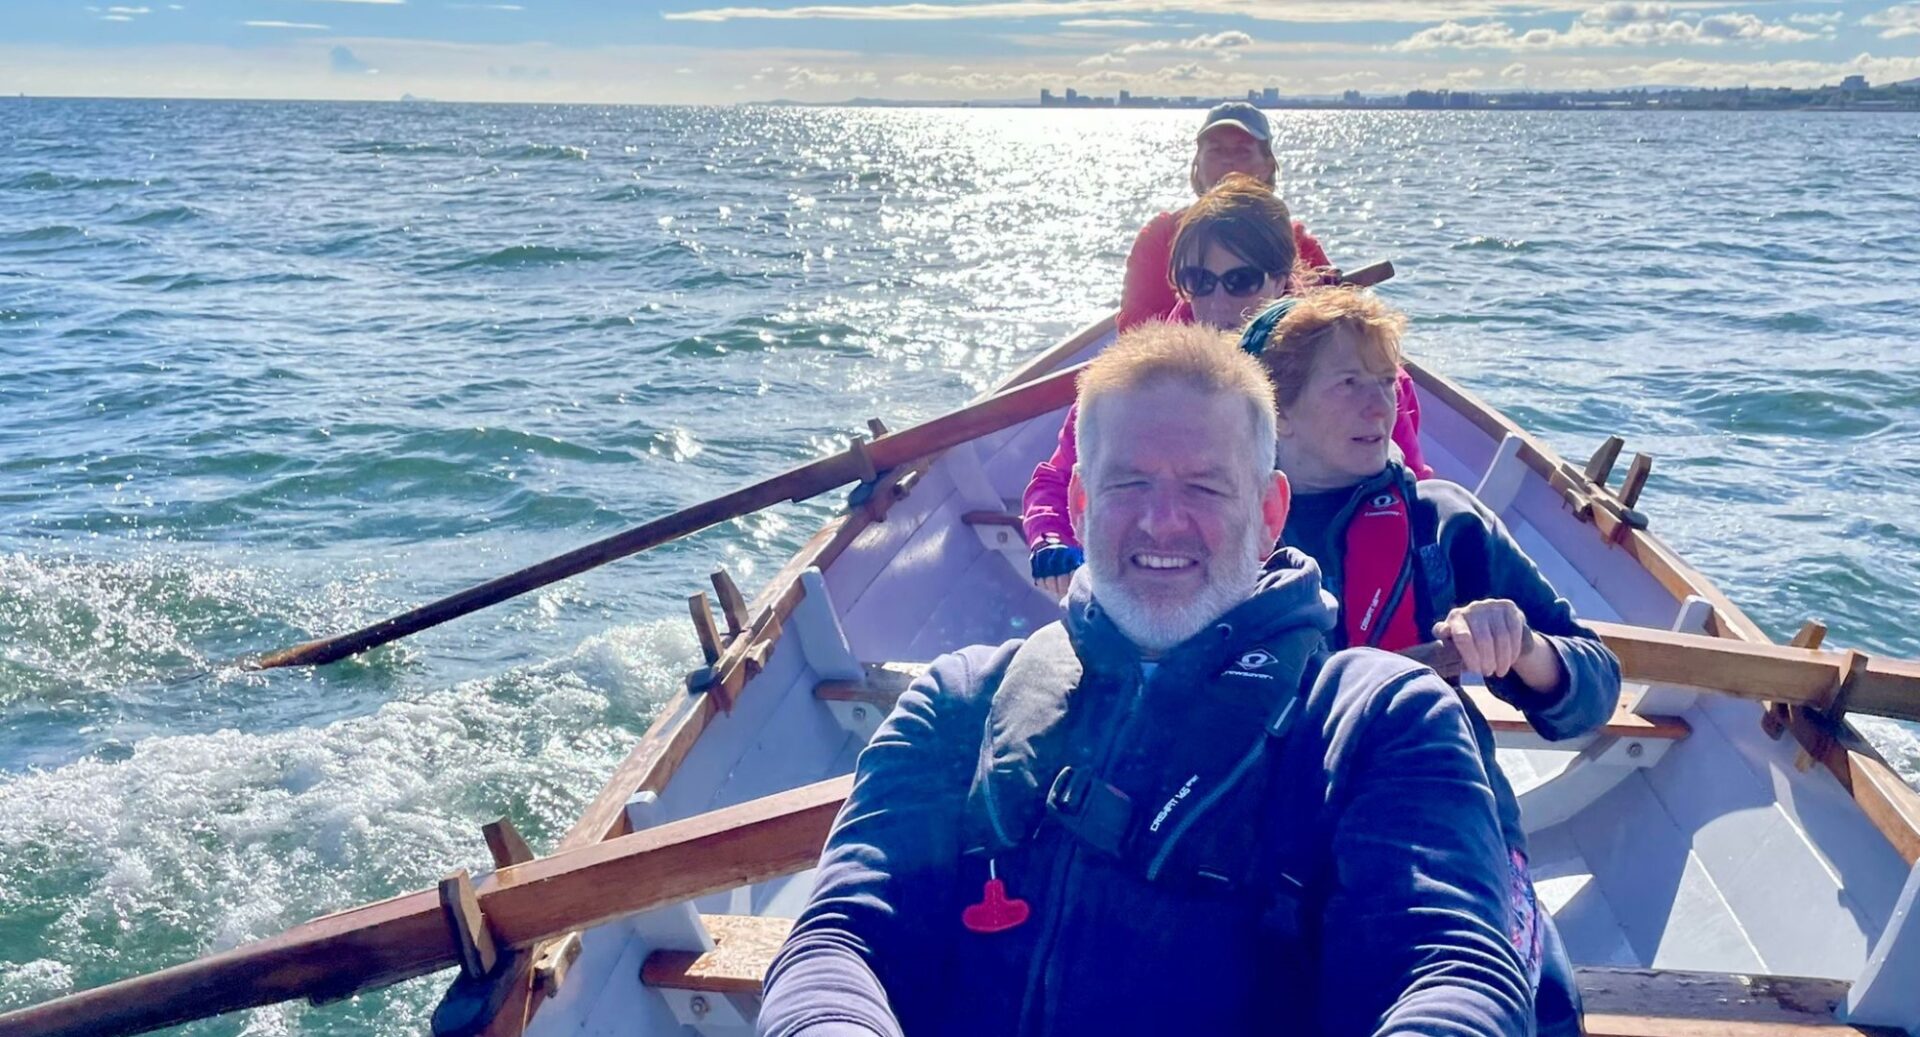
[[1896, 21], [1823, 21], [1749, 27], [344, 62], [1626, 12], [807, 78], [1219, 41], [1183, 73], [1298, 11], [1106, 23], [1791, 72], [1514, 72], [1624, 24], [285, 25], [1219, 46], [129, 10], [1454, 36]]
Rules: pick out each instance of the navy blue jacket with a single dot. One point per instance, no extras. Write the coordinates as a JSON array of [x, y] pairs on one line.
[[1381, 787]]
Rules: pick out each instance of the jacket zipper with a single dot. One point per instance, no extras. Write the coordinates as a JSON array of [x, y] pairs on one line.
[[1212, 799], [1062, 871], [1393, 599]]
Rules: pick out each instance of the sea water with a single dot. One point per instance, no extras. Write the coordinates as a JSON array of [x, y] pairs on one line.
[[270, 371]]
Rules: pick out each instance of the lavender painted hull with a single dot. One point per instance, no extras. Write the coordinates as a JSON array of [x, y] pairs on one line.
[[1713, 852]]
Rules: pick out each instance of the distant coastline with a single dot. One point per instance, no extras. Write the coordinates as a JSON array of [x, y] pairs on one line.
[[1854, 94], [1896, 97]]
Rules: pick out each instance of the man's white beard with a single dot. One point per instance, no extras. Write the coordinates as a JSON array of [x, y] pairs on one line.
[[1156, 628]]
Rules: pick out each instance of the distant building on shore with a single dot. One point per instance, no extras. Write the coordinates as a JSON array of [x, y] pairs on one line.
[[1853, 93], [1073, 98]]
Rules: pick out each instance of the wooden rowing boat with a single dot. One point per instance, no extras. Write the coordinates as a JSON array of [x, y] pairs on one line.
[[1734, 860]]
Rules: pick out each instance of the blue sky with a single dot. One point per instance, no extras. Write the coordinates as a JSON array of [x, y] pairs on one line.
[[721, 51]]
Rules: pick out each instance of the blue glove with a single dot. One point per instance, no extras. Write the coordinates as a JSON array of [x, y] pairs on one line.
[[1054, 558]]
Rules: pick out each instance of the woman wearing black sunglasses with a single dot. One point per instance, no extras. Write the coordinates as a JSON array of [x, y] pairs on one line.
[[1233, 253]]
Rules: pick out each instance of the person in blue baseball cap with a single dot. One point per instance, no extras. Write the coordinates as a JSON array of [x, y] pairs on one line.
[[1234, 138]]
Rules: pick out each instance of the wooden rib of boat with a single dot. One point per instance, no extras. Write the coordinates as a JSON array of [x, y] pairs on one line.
[[1729, 861]]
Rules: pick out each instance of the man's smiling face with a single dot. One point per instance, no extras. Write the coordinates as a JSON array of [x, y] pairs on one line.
[[1174, 520]]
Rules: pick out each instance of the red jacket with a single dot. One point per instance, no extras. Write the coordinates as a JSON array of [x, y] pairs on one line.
[[1147, 295]]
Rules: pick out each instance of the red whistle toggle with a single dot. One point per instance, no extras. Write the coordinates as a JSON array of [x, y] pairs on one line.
[[995, 913]]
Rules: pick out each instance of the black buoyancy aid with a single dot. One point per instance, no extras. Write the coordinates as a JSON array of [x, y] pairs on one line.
[[1212, 751]]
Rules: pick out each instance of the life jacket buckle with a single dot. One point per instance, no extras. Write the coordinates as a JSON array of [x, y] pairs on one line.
[[1092, 811]]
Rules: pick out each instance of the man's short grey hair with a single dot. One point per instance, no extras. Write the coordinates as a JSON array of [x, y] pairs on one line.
[[1201, 357]]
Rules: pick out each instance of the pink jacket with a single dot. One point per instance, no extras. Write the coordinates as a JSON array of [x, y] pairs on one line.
[[1043, 509]]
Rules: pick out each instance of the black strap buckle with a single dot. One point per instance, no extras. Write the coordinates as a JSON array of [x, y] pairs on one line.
[[1094, 812]]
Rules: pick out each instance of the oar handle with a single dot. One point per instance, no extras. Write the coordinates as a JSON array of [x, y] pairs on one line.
[[1439, 656], [1369, 275]]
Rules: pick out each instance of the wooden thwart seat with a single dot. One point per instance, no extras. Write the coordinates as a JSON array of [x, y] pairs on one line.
[[885, 681], [1619, 1002], [743, 947]]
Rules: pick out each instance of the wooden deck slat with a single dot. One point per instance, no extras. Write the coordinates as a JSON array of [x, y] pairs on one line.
[[743, 947], [1619, 1002]]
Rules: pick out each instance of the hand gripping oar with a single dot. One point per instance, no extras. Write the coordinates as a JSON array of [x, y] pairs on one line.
[[861, 462]]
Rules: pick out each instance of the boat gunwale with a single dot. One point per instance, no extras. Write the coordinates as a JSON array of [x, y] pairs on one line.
[[1889, 803]]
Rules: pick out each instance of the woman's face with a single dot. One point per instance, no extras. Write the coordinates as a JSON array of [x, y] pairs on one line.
[[1337, 432], [1221, 273], [1229, 149]]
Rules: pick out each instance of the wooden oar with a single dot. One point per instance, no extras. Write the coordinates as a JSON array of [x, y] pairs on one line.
[[861, 462], [1369, 275], [1826, 680], [383, 943], [864, 461], [1744, 669]]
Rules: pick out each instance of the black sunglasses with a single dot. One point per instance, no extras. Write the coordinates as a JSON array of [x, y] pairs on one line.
[[1241, 281]]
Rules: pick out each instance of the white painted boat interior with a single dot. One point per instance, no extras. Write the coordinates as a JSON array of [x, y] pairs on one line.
[[1714, 852]]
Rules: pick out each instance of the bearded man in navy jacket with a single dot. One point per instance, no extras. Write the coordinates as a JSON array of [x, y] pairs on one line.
[[1173, 812]]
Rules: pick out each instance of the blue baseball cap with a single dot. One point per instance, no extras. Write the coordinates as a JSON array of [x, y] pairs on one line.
[[1241, 116]]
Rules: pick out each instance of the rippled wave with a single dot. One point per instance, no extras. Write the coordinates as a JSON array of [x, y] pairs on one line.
[[526, 255]]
